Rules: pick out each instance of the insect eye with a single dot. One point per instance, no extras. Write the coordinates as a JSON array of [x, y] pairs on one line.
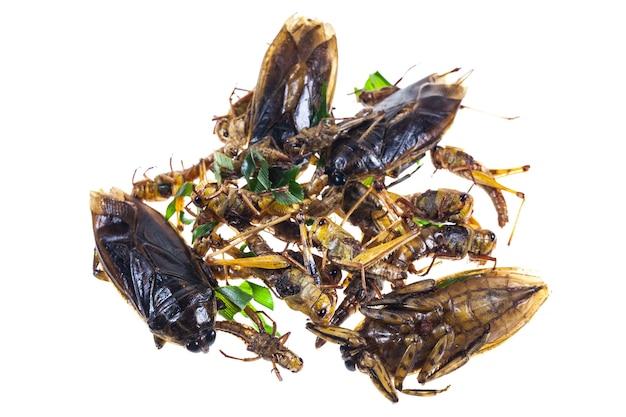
[[321, 313], [164, 190], [350, 365], [193, 346], [322, 222], [210, 337], [463, 198], [197, 200], [337, 179], [334, 273]]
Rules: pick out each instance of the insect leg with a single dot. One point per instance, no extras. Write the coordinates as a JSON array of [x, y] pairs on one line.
[[407, 363], [456, 361]]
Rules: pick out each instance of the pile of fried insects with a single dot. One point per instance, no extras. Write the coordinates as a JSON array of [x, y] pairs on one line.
[[320, 185]]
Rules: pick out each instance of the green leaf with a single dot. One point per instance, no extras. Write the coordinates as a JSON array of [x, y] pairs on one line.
[[425, 223], [260, 294], [248, 166], [230, 309], [296, 190], [287, 176], [246, 251], [264, 175], [184, 219], [221, 161], [421, 223], [255, 186], [261, 182], [171, 209], [294, 195], [236, 298], [235, 295], [185, 190], [376, 81], [203, 229]]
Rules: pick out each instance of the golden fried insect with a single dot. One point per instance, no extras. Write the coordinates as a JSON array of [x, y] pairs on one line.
[[442, 205], [265, 345], [227, 203], [301, 293], [372, 97], [338, 242], [167, 185], [231, 128], [244, 211], [374, 209], [402, 246], [311, 295], [301, 288], [293, 285], [451, 241], [347, 252], [461, 163], [155, 270], [433, 327]]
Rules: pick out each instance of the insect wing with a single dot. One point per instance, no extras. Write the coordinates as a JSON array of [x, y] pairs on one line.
[[393, 103], [397, 131], [114, 222], [298, 67], [506, 298], [151, 265], [418, 127]]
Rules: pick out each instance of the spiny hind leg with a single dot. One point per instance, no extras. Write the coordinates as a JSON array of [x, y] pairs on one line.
[[448, 363]]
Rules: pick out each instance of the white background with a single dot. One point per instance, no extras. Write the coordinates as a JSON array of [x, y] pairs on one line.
[[91, 91]]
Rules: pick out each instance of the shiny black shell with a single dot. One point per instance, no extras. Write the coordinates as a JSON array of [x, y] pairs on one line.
[[155, 270], [396, 132]]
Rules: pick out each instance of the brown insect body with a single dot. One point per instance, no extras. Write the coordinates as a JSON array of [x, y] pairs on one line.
[[433, 327], [450, 241], [297, 77], [395, 132], [155, 270], [266, 345], [464, 165]]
